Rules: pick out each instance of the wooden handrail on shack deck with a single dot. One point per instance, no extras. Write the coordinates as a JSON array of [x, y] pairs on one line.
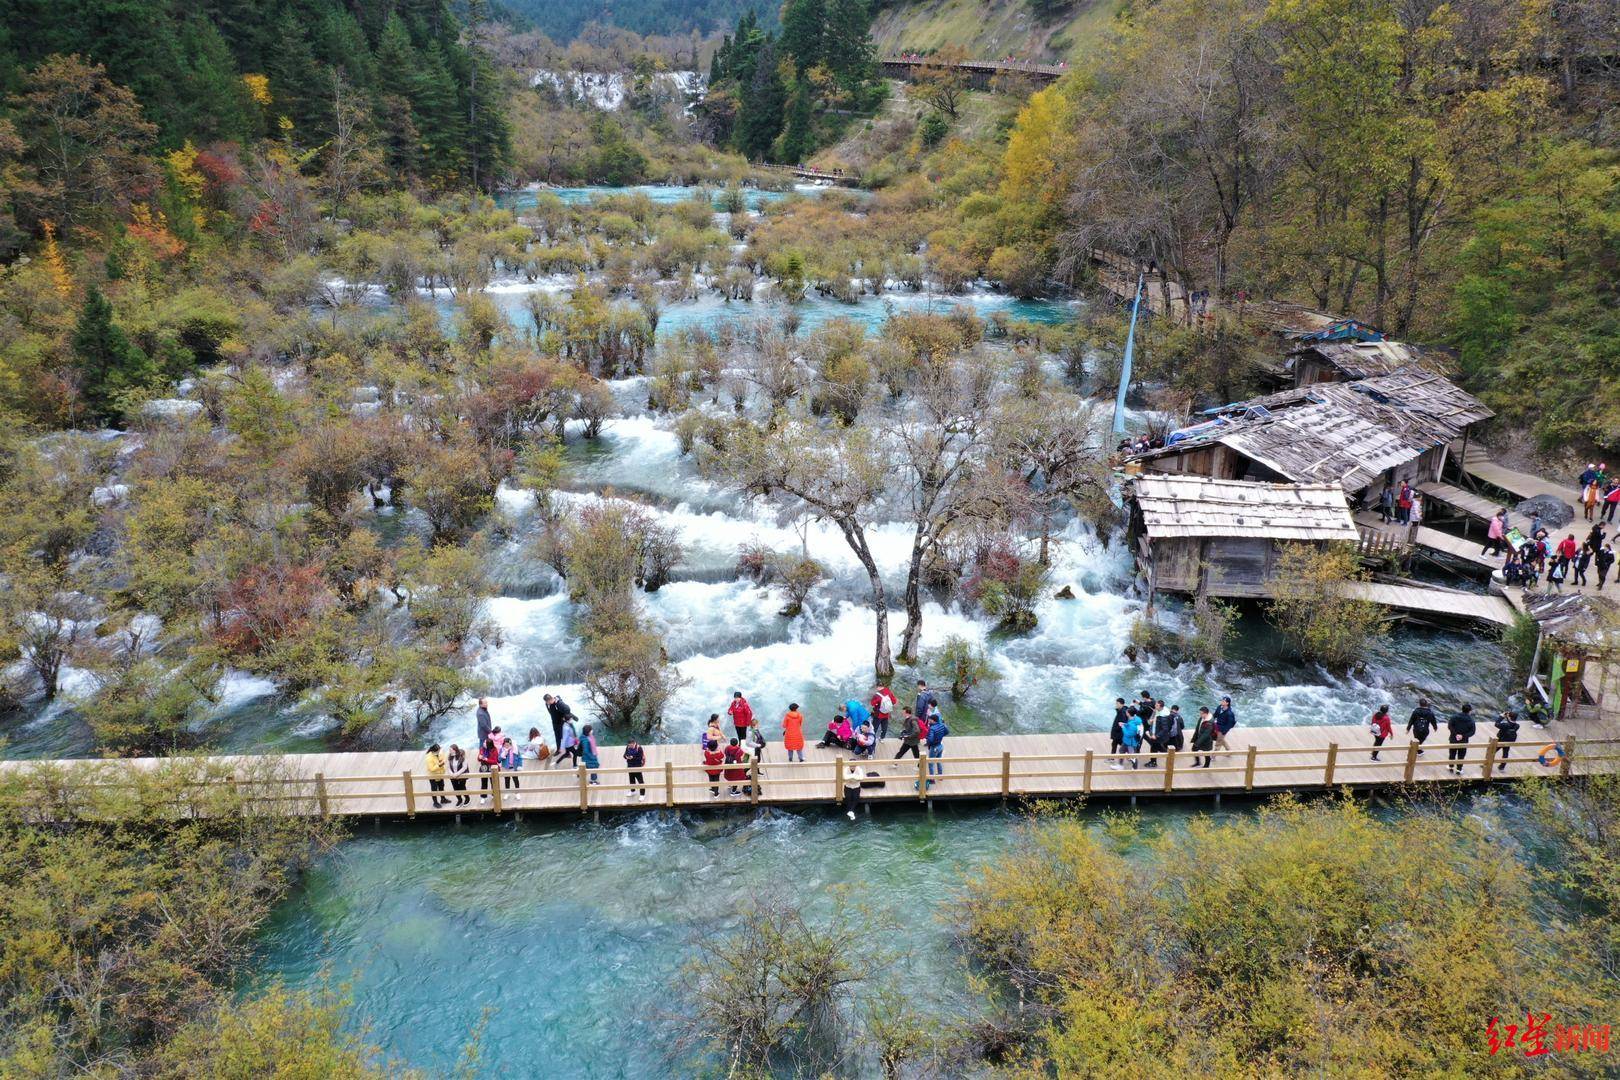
[[280, 786]]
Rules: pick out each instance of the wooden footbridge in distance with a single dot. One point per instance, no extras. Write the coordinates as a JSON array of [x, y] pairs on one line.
[[821, 176]]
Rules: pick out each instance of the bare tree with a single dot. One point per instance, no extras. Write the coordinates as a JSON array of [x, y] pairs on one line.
[[942, 443], [836, 475], [352, 160], [941, 81]]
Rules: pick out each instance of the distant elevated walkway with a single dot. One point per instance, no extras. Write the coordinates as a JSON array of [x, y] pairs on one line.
[[981, 73], [818, 175]]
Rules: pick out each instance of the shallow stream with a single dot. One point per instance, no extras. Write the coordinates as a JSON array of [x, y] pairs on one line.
[[570, 931]]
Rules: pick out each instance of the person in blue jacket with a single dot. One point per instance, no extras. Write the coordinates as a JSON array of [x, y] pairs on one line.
[[936, 746], [858, 713], [511, 764], [1133, 739]]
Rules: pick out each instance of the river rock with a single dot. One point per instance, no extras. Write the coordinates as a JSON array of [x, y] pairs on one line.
[[1555, 513], [1065, 593]]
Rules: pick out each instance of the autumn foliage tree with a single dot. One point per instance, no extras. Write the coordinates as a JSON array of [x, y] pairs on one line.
[[85, 135]]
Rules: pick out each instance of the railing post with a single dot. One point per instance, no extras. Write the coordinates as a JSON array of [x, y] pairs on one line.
[[753, 781], [1248, 769], [1490, 756], [1411, 760], [669, 783], [1006, 772], [410, 795], [495, 786], [1085, 780], [922, 775], [838, 778], [584, 789], [1169, 768], [320, 794], [1332, 760], [1569, 752]]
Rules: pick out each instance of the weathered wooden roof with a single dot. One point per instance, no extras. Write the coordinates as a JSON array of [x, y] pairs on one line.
[[1364, 359], [1423, 390], [1178, 506], [1342, 433], [1577, 618]]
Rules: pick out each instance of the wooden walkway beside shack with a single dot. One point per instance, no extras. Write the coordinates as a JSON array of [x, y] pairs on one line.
[[1063, 765], [1474, 506], [1435, 604], [1477, 465], [1454, 548]]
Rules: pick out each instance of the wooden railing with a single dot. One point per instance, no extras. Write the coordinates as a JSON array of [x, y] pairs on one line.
[[1007, 775], [1378, 544]]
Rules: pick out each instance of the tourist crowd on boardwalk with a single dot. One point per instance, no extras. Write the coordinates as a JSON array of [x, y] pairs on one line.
[[1141, 732], [1531, 554]]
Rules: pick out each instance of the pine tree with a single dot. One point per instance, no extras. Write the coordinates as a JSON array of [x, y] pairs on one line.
[[436, 107], [489, 142], [108, 361], [804, 30], [217, 106], [717, 63], [849, 42], [798, 138], [745, 47], [296, 79], [761, 113], [396, 65]]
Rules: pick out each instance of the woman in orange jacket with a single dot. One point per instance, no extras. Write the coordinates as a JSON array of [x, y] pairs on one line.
[[793, 731]]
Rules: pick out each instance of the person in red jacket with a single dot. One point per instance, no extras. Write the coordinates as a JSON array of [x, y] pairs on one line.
[[1567, 547], [1382, 728], [734, 757], [883, 703], [713, 756], [742, 714]]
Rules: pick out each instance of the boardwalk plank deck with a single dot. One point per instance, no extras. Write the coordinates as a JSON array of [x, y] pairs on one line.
[[1476, 463], [1475, 506], [1288, 758], [1466, 551], [1435, 602]]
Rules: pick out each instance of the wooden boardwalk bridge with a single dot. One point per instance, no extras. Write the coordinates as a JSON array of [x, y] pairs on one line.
[[819, 175], [1062, 765]]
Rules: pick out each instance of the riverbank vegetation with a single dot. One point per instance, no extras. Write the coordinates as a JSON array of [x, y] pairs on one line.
[[1305, 938], [129, 913]]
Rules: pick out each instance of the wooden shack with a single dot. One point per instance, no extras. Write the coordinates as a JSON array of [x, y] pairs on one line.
[[1194, 534], [1352, 360], [1356, 435], [1577, 635]]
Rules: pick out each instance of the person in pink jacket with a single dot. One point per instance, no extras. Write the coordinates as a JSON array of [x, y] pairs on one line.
[[1496, 535]]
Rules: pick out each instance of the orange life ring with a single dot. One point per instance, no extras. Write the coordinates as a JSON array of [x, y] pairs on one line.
[[1551, 755]]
